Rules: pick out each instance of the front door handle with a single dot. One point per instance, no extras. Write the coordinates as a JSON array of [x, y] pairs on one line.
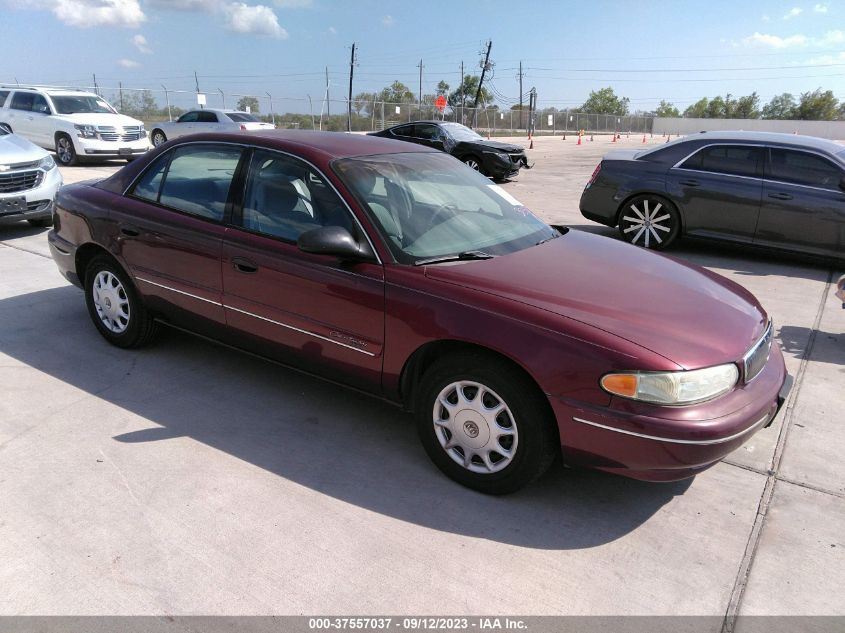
[[241, 264], [780, 196], [131, 231], [690, 183]]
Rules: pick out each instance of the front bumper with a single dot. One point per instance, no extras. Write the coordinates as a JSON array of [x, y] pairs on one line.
[[656, 448], [39, 200], [501, 166], [107, 149]]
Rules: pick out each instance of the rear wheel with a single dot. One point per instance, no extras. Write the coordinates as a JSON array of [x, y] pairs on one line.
[[115, 307], [484, 423], [158, 138], [649, 221]]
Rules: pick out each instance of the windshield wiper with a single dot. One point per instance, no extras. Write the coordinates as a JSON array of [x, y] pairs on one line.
[[466, 255], [548, 239]]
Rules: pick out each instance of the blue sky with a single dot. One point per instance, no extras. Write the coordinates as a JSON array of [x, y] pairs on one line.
[[647, 51]]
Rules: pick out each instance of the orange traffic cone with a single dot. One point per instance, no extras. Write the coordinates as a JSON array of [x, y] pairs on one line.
[[564, 136], [531, 145], [614, 138], [579, 140], [643, 138]]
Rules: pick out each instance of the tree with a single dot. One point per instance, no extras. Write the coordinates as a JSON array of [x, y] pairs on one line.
[[250, 103], [442, 88], [464, 96], [697, 110], [139, 103], [605, 101], [666, 109], [363, 102], [747, 107], [716, 108], [780, 107], [817, 106], [397, 92]]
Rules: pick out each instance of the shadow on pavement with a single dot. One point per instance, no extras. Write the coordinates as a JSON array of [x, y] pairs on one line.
[[827, 348], [334, 441]]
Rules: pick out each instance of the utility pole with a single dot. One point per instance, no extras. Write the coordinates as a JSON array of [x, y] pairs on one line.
[[96, 87], [328, 101], [419, 99], [481, 82], [272, 113], [349, 101], [167, 99], [196, 79], [120, 87], [532, 105], [462, 91], [520, 93]]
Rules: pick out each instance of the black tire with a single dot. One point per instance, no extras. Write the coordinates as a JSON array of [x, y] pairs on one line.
[[649, 221], [139, 327], [534, 443], [157, 138], [65, 152], [41, 222], [474, 162]]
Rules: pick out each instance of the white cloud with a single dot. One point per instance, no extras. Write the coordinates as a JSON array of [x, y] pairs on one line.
[[332, 30], [388, 20], [128, 63], [293, 4], [205, 6], [774, 41], [140, 42], [831, 38], [820, 8], [88, 13], [765, 18], [826, 59], [794, 12], [258, 19]]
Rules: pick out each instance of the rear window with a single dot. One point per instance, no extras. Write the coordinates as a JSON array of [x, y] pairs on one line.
[[242, 117], [735, 160]]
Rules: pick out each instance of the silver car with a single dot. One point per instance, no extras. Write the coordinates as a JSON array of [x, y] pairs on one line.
[[29, 180], [197, 121]]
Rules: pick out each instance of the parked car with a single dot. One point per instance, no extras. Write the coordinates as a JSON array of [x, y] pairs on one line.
[[29, 181], [778, 191], [197, 121], [76, 125], [395, 270], [492, 158]]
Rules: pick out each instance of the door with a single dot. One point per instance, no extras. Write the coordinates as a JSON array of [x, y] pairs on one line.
[[321, 314], [803, 206], [40, 123], [20, 115], [207, 121], [718, 191], [429, 135], [170, 230], [185, 124]]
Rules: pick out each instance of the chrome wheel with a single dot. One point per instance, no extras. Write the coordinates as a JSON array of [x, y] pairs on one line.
[[472, 164], [110, 302], [158, 138], [475, 427], [64, 150], [647, 222]]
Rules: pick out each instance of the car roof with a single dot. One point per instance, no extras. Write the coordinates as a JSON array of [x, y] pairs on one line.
[[796, 140]]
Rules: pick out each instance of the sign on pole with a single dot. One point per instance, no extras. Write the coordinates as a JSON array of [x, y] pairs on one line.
[[440, 103], [200, 99]]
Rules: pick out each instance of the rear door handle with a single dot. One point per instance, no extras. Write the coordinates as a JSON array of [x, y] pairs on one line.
[[690, 183], [780, 196], [244, 265], [131, 231]]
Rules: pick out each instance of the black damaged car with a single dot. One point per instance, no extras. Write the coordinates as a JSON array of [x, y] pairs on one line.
[[492, 158]]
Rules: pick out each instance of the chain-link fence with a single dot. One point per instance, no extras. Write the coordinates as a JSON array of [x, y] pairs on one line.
[[162, 104]]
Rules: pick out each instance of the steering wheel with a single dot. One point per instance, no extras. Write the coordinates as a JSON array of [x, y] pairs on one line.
[[443, 209]]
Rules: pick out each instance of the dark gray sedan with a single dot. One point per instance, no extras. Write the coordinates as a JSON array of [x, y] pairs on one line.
[[779, 191]]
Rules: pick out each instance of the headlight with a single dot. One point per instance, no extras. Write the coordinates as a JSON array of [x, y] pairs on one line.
[[47, 163], [674, 387], [86, 131]]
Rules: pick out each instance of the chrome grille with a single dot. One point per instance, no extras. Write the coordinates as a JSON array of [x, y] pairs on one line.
[[130, 133], [20, 180], [757, 357]]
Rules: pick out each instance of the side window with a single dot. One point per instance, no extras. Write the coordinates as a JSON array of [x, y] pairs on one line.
[[206, 117], [404, 131], [149, 185], [198, 180], [188, 117], [285, 198], [736, 160], [803, 168], [39, 104], [22, 101], [426, 131], [3, 95]]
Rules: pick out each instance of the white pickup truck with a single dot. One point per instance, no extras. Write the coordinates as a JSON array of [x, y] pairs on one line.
[[76, 125]]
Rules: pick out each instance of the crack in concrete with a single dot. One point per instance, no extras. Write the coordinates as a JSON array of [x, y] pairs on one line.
[[744, 572], [25, 250]]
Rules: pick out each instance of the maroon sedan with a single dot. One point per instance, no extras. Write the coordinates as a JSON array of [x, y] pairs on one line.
[[397, 270]]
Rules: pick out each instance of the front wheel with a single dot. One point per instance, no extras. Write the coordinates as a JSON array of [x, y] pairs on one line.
[[65, 151], [484, 423], [115, 307], [158, 138], [649, 221], [473, 163]]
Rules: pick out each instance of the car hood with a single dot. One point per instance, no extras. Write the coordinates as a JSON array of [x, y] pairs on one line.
[[492, 145], [16, 149], [691, 316], [100, 119]]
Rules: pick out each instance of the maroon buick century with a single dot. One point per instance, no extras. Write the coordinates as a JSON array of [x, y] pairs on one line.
[[396, 270]]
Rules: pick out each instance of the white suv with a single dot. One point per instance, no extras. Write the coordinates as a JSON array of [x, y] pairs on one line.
[[77, 125]]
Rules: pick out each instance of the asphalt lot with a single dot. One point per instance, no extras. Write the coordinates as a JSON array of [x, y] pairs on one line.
[[190, 479]]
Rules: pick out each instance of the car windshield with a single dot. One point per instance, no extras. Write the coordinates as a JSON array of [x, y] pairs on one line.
[[242, 117], [81, 104], [461, 132], [429, 205]]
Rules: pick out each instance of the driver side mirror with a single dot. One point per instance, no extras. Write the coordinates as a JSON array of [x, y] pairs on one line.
[[336, 241]]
